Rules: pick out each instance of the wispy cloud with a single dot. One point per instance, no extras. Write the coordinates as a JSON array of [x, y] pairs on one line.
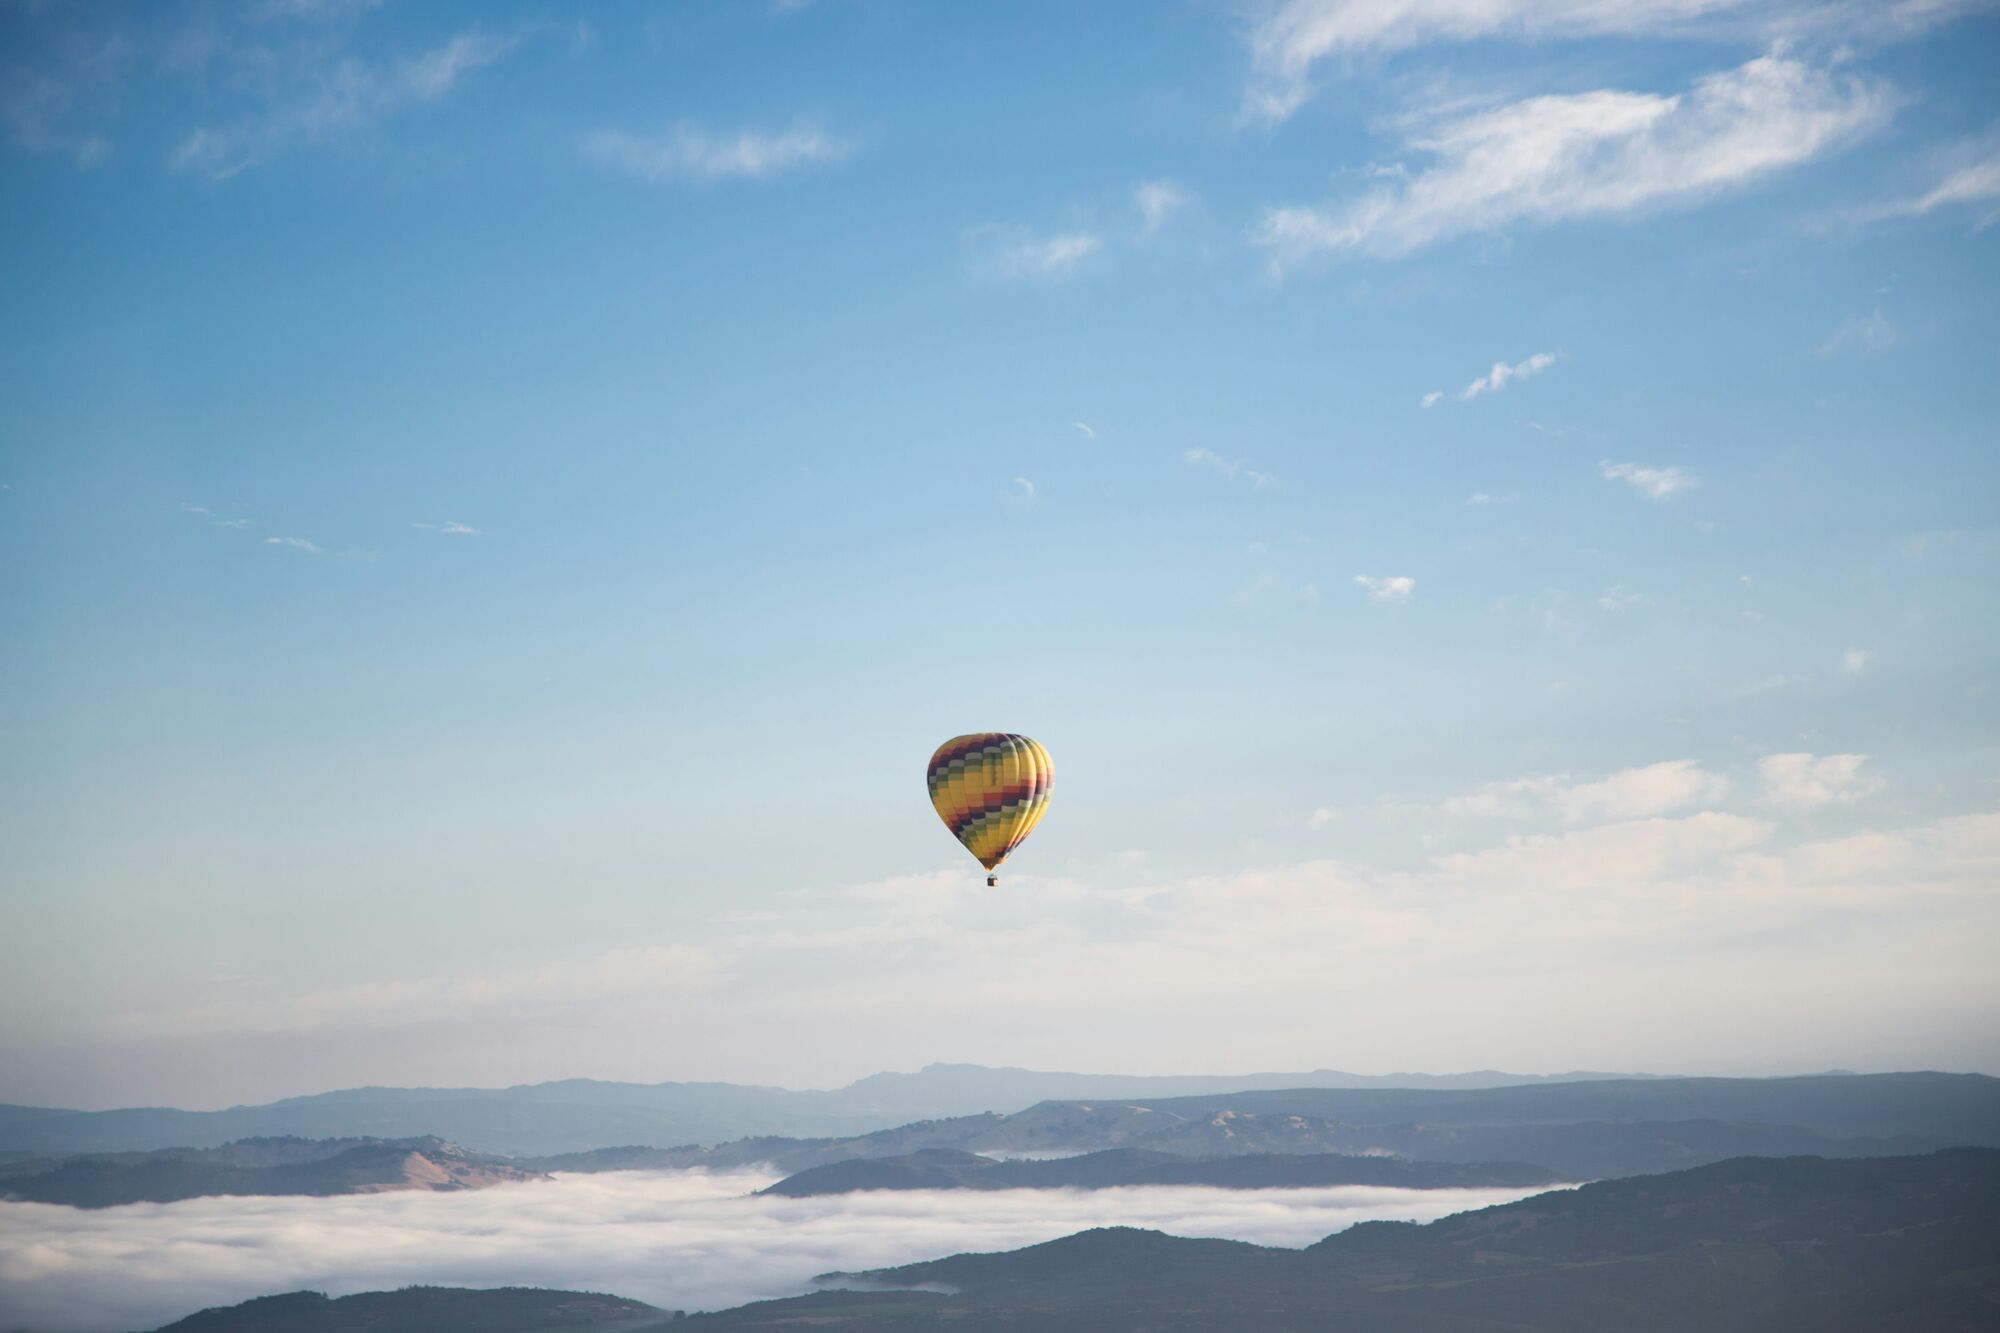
[[1390, 588], [450, 528], [1863, 335], [1806, 781], [203, 511], [322, 102], [277, 10], [1027, 489], [1042, 258], [1211, 461], [1591, 155], [1289, 38], [1088, 433], [1481, 498], [1655, 483], [1975, 181], [689, 153], [1503, 374], [1431, 399], [1855, 661], [54, 101], [298, 543], [1158, 201]]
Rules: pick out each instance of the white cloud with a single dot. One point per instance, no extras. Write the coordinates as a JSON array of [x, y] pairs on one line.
[[1807, 782], [1481, 498], [1394, 588], [1620, 598], [1158, 201], [299, 542], [1289, 37], [434, 74], [1027, 488], [196, 509], [1431, 399], [1088, 433], [679, 1240], [1503, 374], [1636, 850], [450, 528], [1865, 335], [1599, 154], [1855, 661], [1214, 462], [1655, 483], [690, 153], [1632, 793], [1045, 258]]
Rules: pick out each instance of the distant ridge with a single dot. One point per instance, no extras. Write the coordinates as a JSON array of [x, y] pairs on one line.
[[424, 1310], [577, 1115], [1111, 1168], [262, 1166], [1579, 1131]]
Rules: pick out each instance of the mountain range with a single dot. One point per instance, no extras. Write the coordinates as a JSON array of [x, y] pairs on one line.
[[426, 1310], [574, 1115], [1580, 1131], [1541, 1133]]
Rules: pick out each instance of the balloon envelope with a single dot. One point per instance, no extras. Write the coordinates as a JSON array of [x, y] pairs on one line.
[[990, 788]]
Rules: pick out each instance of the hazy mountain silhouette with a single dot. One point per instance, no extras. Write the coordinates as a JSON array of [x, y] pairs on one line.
[[1578, 1131], [263, 1166], [424, 1310], [580, 1114]]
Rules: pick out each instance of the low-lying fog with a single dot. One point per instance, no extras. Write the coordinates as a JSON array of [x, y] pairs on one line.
[[681, 1240]]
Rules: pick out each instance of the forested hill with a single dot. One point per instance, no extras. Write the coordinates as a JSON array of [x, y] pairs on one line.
[[1746, 1245]]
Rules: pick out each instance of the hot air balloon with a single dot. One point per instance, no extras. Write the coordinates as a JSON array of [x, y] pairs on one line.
[[990, 788]]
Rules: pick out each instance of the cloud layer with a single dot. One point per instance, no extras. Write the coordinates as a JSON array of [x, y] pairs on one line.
[[680, 1240]]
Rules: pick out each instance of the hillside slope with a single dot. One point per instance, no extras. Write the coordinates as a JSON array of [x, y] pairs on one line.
[[1734, 1247]]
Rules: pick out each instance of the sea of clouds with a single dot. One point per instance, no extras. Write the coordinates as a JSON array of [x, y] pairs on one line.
[[678, 1239]]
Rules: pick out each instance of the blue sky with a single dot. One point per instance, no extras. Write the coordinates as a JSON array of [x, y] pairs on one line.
[[1486, 504]]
